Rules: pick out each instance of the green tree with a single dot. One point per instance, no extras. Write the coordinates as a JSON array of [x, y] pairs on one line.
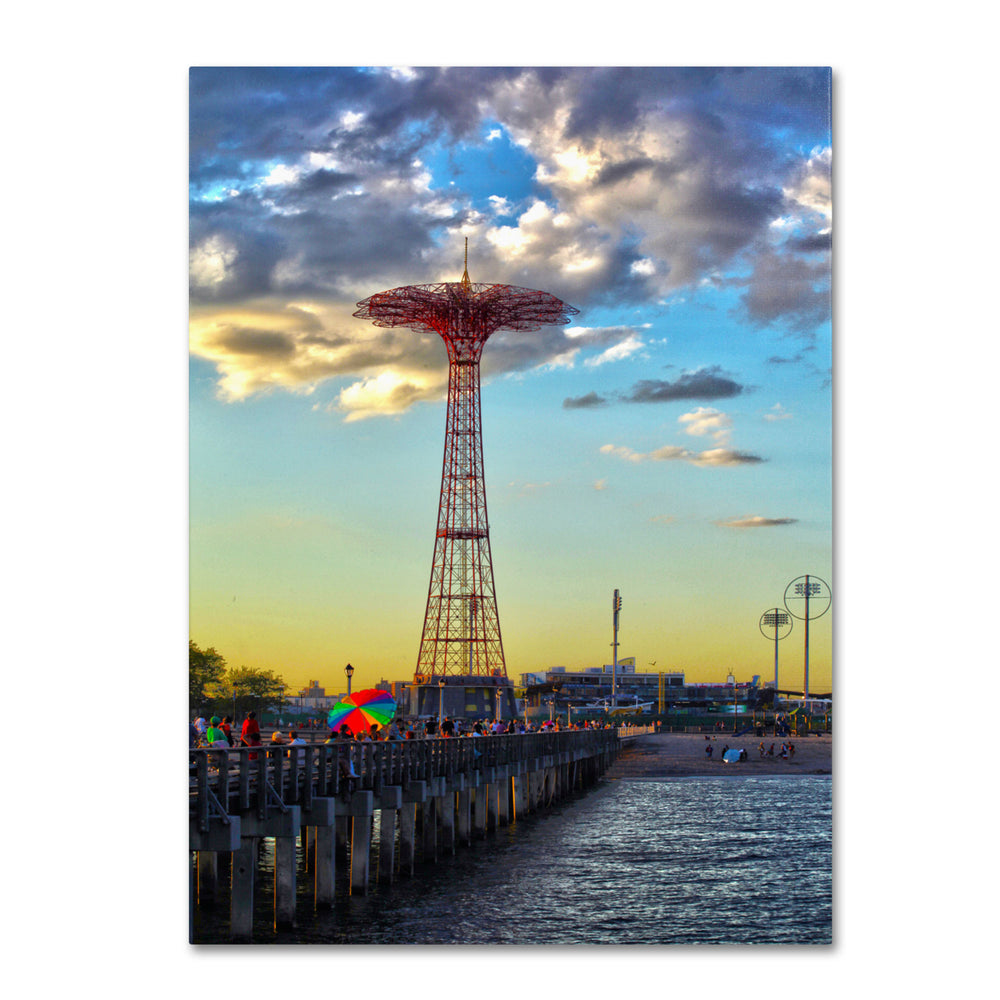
[[206, 667], [247, 688]]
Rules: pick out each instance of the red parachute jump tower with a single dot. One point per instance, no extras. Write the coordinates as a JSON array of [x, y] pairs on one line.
[[461, 652]]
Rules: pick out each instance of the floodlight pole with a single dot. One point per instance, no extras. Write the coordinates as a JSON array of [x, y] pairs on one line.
[[805, 590], [805, 678], [616, 607]]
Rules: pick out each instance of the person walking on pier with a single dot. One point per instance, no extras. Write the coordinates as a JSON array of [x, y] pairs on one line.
[[296, 740], [250, 728], [214, 735]]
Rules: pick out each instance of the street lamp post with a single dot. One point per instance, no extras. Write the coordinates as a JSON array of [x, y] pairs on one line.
[[349, 670], [440, 704]]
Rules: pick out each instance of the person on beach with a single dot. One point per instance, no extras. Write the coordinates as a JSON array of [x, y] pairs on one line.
[[201, 725], [227, 727], [708, 750], [770, 751], [277, 739], [761, 749]]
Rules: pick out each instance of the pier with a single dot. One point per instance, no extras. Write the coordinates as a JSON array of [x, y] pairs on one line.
[[432, 796]]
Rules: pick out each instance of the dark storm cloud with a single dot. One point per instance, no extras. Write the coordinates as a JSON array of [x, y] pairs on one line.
[[813, 243], [706, 383]]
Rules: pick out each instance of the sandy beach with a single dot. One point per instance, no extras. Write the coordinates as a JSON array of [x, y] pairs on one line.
[[682, 755]]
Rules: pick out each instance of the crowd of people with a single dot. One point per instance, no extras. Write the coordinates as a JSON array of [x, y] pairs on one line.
[[218, 733], [787, 751]]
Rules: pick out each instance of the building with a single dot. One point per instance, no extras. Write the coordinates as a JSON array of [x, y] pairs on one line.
[[559, 688]]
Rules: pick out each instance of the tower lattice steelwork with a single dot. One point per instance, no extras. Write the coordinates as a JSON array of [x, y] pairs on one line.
[[461, 633]]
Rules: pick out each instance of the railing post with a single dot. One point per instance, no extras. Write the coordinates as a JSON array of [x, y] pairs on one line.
[[202, 805]]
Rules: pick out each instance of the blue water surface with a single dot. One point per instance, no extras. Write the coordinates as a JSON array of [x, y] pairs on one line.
[[728, 860]]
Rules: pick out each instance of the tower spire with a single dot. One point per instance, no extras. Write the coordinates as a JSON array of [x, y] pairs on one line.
[[465, 273]]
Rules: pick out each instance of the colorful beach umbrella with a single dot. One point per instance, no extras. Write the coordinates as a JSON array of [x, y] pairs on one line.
[[362, 709]]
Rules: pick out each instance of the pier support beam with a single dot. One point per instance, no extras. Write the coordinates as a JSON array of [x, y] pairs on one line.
[[522, 804], [284, 881], [361, 841], [387, 845], [429, 811], [407, 824], [241, 904], [463, 817], [326, 865], [480, 810], [445, 807], [491, 805], [208, 878], [503, 801]]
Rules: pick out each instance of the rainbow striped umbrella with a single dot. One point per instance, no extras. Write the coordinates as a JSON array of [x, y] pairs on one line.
[[360, 710]]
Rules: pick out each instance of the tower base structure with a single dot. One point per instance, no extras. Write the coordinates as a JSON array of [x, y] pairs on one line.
[[463, 696]]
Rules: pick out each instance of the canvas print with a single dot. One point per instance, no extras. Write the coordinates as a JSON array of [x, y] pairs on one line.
[[510, 505]]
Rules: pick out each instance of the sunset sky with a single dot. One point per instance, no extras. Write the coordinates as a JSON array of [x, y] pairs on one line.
[[674, 441]]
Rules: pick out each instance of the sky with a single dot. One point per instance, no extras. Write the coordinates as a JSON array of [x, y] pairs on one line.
[[673, 441]]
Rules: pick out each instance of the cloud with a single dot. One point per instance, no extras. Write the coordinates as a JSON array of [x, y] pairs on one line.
[[757, 522], [379, 395], [617, 352], [724, 457], [587, 402], [777, 412], [786, 289], [705, 420], [713, 457], [318, 186], [705, 383]]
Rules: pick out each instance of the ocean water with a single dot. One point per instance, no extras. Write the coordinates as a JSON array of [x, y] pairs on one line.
[[729, 860]]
